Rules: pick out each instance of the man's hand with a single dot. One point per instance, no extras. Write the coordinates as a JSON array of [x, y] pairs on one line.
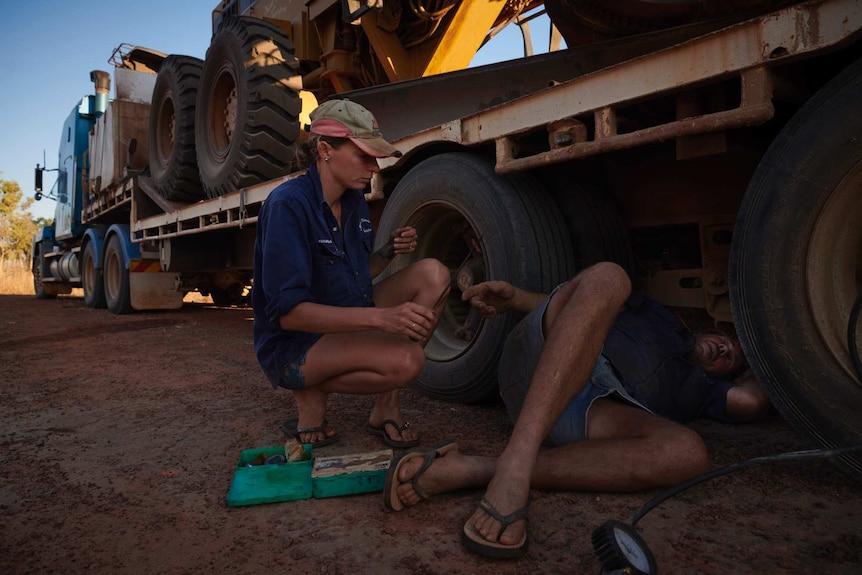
[[746, 401], [490, 298]]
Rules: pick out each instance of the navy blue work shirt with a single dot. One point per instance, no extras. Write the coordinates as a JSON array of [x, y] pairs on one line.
[[648, 347], [302, 255]]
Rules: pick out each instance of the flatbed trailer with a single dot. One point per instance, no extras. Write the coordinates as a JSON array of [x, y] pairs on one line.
[[718, 162]]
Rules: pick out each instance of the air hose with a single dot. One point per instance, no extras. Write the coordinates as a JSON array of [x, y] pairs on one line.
[[620, 548], [788, 456]]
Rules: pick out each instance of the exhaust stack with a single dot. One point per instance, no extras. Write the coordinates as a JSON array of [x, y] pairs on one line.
[[102, 80]]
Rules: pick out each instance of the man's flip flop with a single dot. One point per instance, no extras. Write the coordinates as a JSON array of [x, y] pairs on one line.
[[289, 427], [390, 495], [389, 441], [475, 542]]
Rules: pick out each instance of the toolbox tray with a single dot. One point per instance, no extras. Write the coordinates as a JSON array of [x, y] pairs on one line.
[[334, 476], [269, 483]]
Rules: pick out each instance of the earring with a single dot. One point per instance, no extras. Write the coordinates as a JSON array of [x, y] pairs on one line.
[[327, 159]]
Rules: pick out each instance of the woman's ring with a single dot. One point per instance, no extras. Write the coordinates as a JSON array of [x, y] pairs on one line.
[[414, 326]]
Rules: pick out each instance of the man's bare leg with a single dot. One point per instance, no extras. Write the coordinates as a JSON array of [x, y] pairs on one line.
[[577, 321], [629, 450]]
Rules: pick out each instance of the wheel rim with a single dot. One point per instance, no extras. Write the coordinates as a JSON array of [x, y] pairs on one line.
[[224, 112], [447, 234], [112, 274], [166, 130], [89, 273], [833, 267]]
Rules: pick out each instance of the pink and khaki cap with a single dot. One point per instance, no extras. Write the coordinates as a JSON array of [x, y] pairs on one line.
[[346, 119]]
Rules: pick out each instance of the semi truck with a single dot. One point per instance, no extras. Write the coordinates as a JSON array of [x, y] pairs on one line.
[[711, 148]]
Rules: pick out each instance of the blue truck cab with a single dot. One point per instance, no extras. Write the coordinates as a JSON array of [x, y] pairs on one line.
[[58, 248]]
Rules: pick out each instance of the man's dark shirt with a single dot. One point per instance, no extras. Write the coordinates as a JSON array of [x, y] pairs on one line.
[[648, 347]]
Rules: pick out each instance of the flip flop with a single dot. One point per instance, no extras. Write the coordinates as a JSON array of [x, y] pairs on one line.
[[390, 495], [475, 542], [289, 427], [389, 441]]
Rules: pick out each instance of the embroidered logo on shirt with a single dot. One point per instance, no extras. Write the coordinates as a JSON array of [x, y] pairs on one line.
[[365, 225], [324, 241]]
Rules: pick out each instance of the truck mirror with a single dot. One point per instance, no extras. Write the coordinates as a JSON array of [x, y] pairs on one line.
[[38, 186]]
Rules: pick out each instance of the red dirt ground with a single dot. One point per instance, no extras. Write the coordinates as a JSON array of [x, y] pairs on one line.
[[120, 434]]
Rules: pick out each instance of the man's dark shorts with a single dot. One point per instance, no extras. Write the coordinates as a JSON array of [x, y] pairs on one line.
[[518, 363]]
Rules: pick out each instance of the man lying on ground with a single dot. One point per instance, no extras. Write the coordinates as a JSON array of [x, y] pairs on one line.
[[602, 376]]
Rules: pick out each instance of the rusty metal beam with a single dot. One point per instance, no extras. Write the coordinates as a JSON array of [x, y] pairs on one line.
[[760, 42]]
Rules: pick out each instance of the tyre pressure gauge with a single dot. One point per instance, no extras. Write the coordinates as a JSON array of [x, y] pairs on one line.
[[621, 549]]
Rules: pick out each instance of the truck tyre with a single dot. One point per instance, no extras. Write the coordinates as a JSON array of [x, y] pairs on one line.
[[173, 160], [451, 199], [598, 230], [247, 118], [38, 284], [91, 280], [795, 266], [116, 278]]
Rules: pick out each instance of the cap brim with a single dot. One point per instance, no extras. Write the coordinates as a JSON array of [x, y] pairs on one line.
[[377, 147]]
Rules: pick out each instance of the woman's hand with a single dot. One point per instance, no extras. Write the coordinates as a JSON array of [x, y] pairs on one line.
[[405, 240], [410, 319]]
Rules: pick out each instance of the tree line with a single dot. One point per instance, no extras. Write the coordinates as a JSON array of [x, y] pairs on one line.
[[17, 225]]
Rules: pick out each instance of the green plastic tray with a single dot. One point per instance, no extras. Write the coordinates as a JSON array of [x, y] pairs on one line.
[[270, 483], [351, 484]]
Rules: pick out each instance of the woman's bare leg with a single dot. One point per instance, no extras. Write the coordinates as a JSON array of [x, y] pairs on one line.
[[371, 362]]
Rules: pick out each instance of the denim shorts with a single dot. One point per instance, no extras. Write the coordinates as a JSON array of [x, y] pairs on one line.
[[292, 376], [520, 357]]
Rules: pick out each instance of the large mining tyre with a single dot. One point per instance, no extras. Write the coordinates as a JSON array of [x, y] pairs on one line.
[[247, 115], [796, 266], [173, 158], [457, 203]]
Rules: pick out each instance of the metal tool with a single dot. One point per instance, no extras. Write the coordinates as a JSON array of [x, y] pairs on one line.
[[454, 277]]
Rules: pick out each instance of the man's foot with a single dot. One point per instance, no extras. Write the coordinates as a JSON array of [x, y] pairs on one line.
[[476, 542], [499, 527], [403, 488]]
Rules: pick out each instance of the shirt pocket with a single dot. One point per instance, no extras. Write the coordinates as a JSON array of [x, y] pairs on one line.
[[328, 283], [368, 243]]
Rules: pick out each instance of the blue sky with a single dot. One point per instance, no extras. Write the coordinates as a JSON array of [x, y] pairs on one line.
[[49, 47]]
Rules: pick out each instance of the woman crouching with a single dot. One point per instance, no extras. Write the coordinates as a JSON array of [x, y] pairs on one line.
[[320, 325]]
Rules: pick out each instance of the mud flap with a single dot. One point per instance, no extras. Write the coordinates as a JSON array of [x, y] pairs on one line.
[[154, 290]]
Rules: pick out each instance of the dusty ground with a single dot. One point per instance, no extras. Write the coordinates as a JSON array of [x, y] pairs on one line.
[[120, 434]]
